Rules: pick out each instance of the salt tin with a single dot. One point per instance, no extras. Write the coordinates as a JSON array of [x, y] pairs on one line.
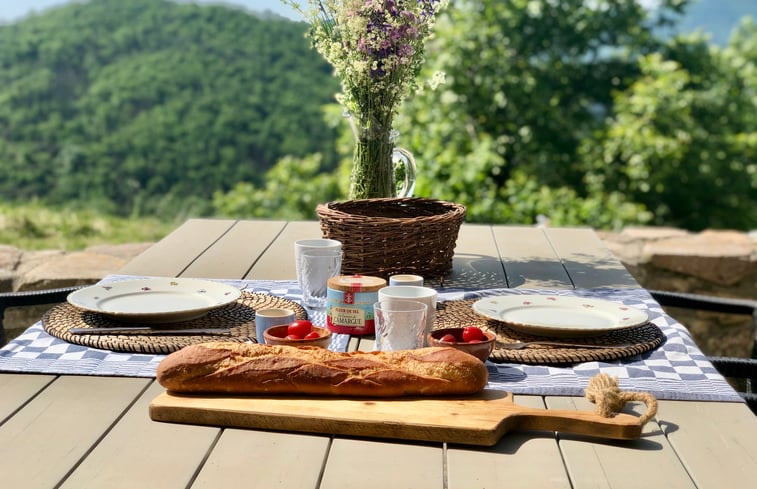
[[350, 299]]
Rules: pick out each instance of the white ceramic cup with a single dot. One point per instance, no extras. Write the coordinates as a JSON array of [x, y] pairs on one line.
[[400, 324], [406, 279], [267, 318], [425, 295]]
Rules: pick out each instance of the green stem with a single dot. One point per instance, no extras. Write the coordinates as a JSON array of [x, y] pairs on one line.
[[372, 167]]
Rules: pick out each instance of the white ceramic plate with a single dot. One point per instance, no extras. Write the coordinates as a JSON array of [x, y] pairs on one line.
[[156, 300], [548, 315]]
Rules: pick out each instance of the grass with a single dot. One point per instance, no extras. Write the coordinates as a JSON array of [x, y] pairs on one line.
[[36, 227]]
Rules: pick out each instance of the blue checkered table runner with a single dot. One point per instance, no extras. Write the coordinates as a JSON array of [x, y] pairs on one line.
[[676, 370]]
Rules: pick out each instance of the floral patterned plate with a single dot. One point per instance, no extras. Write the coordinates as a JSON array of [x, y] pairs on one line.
[[155, 300], [549, 315]]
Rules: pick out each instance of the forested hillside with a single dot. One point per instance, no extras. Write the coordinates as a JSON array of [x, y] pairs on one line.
[[148, 106]]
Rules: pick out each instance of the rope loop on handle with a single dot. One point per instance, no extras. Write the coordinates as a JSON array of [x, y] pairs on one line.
[[603, 391]]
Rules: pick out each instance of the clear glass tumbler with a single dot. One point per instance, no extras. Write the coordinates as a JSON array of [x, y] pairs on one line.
[[317, 266], [400, 325]]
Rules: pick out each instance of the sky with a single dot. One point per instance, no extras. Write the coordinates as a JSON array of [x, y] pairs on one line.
[[11, 10]]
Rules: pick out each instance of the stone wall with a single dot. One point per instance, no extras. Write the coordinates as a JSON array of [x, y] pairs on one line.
[[718, 263], [721, 263], [36, 270]]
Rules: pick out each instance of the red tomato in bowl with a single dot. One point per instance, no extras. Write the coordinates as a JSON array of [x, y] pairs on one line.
[[300, 328], [448, 338], [472, 333]]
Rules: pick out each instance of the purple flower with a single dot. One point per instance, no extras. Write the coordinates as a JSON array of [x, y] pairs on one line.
[[406, 51], [378, 72], [428, 7], [371, 43], [409, 31], [408, 15], [363, 45]]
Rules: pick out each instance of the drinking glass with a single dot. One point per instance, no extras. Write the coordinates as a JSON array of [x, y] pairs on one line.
[[425, 295], [400, 325], [317, 266]]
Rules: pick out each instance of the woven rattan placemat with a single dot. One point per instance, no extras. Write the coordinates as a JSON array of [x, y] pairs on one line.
[[239, 316], [636, 340]]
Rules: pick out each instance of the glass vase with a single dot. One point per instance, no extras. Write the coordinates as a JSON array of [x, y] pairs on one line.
[[379, 167]]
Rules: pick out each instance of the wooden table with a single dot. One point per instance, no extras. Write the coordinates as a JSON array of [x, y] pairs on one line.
[[94, 432]]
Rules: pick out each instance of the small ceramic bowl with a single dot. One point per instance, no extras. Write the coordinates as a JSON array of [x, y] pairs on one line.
[[276, 335], [480, 350]]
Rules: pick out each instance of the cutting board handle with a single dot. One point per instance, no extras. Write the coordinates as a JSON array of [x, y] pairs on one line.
[[620, 426]]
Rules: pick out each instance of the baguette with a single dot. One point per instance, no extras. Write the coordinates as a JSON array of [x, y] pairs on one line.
[[249, 368]]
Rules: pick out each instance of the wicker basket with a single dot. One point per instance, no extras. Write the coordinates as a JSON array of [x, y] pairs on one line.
[[382, 237]]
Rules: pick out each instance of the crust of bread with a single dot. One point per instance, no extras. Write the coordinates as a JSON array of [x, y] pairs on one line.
[[249, 368]]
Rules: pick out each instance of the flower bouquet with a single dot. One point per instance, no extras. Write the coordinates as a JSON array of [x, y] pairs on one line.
[[377, 49]]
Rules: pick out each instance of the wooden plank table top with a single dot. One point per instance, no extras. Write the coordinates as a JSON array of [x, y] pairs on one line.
[[89, 432]]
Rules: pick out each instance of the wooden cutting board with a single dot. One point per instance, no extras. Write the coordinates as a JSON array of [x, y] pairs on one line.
[[474, 420]]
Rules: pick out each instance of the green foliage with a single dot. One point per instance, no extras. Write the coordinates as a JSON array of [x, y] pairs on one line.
[[684, 137], [526, 83], [293, 189], [576, 113], [34, 226], [148, 106], [540, 115]]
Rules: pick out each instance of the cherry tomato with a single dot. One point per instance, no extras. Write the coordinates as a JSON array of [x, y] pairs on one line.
[[448, 338], [473, 333], [300, 328], [293, 337], [313, 335]]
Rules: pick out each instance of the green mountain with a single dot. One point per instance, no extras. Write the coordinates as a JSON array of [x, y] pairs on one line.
[[149, 106]]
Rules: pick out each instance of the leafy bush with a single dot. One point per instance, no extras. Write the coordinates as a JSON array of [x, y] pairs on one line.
[[684, 136]]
